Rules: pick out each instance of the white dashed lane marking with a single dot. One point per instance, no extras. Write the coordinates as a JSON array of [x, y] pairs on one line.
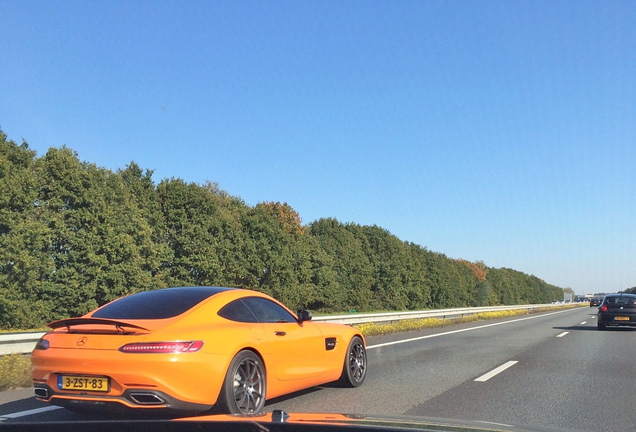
[[28, 413], [496, 371]]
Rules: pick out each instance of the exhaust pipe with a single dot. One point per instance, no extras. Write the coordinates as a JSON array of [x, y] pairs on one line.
[[146, 399], [41, 392]]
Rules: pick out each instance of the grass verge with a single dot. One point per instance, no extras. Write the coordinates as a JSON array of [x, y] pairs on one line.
[[15, 371]]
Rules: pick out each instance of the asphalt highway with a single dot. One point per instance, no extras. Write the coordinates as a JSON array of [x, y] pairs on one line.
[[548, 370]]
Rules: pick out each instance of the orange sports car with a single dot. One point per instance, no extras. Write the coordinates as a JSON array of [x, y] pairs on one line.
[[192, 348]]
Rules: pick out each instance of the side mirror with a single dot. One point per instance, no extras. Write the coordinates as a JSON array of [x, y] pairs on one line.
[[304, 315]]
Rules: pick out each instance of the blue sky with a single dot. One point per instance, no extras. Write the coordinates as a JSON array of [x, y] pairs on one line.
[[500, 131]]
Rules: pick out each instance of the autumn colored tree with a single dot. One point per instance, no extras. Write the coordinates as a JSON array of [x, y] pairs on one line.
[[478, 269], [288, 217]]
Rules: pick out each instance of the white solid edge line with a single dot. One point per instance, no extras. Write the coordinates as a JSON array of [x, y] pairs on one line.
[[28, 413], [562, 334], [496, 371], [464, 330]]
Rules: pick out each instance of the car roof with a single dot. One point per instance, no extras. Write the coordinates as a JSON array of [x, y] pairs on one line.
[[212, 289], [159, 304]]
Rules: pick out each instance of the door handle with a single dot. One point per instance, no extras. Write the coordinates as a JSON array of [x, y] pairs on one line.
[[280, 333]]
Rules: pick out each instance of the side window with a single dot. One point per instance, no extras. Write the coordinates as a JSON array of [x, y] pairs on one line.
[[267, 311], [237, 311]]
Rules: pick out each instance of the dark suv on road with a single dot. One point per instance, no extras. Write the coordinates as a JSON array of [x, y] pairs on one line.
[[617, 310]]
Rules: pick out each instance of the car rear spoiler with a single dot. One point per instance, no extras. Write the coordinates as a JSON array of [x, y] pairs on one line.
[[69, 322]]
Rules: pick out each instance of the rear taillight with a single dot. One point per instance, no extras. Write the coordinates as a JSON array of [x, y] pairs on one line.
[[42, 344], [162, 347], [603, 308]]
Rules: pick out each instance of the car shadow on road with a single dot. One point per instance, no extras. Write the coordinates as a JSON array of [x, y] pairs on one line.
[[294, 395], [14, 406], [576, 327], [593, 328]]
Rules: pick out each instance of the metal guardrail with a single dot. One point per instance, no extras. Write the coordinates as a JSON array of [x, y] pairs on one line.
[[23, 343], [435, 313], [18, 343]]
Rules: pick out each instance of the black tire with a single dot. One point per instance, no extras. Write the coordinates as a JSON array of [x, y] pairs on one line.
[[245, 385], [600, 325], [354, 370]]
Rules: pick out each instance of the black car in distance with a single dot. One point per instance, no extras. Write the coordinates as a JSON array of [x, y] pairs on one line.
[[595, 301], [617, 310]]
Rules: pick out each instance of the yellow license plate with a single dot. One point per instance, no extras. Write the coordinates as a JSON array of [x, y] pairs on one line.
[[621, 318], [87, 383]]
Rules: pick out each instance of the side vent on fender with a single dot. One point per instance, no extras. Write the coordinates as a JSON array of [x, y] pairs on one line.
[[330, 343]]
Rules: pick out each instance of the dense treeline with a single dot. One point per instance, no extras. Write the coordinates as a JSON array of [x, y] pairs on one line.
[[74, 236]]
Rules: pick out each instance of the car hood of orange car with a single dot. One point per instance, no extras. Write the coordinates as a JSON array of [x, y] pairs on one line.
[[276, 421], [302, 422]]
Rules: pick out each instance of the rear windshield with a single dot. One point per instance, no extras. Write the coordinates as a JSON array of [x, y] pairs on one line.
[[620, 301], [158, 304]]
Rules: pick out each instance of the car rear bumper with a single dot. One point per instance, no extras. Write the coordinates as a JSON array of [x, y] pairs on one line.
[[138, 399], [610, 320], [190, 381]]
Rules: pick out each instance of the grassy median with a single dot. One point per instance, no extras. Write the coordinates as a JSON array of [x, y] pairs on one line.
[[378, 329]]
